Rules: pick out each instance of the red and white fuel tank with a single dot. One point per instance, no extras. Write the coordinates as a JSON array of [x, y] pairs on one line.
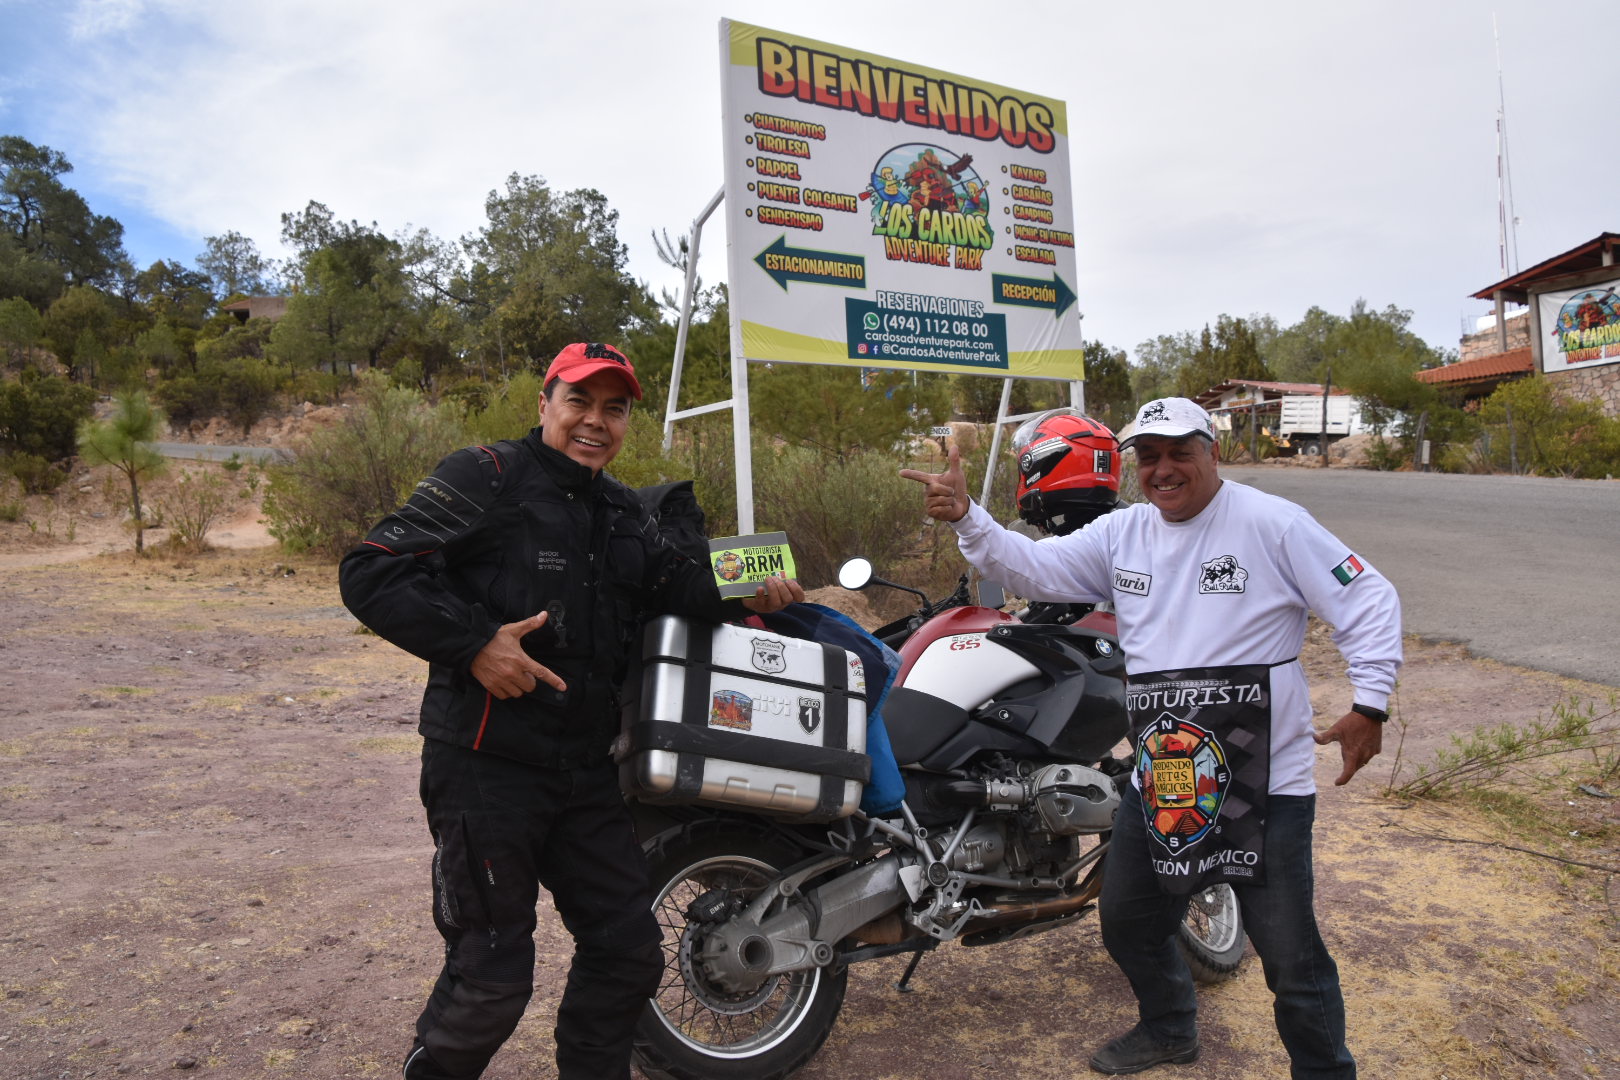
[[949, 657]]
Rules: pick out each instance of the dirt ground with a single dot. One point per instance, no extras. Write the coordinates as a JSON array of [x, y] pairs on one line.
[[216, 864]]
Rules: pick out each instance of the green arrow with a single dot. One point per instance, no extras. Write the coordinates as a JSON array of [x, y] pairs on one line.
[[1032, 292], [786, 264]]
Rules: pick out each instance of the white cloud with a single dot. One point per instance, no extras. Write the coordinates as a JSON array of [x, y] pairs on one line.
[[97, 18]]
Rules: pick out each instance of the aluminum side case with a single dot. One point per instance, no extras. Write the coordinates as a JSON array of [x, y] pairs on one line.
[[736, 717]]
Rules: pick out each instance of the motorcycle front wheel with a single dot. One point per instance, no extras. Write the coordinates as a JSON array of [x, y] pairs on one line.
[[1211, 936], [695, 1030]]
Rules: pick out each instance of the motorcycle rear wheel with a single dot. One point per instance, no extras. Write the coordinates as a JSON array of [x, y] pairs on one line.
[[694, 1030], [1211, 936]]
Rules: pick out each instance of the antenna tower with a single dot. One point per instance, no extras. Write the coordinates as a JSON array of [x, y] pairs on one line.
[[1507, 223]]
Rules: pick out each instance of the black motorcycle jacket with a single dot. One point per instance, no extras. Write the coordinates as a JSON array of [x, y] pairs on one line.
[[498, 534]]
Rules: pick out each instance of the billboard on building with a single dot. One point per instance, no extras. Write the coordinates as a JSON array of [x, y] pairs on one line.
[[885, 214], [1582, 327]]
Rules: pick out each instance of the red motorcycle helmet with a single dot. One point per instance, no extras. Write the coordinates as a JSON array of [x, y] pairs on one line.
[[1068, 470]]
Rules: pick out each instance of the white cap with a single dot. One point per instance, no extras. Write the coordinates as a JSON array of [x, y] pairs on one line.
[[1171, 417]]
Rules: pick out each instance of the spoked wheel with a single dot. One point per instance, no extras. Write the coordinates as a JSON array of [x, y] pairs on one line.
[[694, 1029], [1211, 936]]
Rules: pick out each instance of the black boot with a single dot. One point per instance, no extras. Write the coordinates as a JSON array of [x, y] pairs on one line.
[[419, 1066], [1140, 1049]]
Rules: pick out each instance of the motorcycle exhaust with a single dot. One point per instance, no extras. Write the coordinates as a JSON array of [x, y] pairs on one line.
[[1008, 914], [891, 929], [888, 929]]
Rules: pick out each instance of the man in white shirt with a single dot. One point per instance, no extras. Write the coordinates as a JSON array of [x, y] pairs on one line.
[[1213, 582]]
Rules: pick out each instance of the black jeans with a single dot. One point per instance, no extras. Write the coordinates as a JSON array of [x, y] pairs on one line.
[[1139, 924], [501, 829]]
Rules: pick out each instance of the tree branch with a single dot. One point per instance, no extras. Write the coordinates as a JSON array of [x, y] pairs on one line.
[[1497, 844]]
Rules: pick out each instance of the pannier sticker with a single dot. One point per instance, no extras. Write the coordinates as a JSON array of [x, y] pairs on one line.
[[810, 714], [732, 709], [770, 656]]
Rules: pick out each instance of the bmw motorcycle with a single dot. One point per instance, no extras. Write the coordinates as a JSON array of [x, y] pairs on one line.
[[1005, 732]]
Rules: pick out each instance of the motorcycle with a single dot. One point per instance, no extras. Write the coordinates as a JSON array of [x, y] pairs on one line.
[[1004, 731]]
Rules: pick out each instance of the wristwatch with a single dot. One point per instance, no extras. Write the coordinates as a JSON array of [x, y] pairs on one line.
[[1371, 713]]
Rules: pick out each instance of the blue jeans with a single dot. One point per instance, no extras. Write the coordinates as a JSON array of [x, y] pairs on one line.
[[1139, 924]]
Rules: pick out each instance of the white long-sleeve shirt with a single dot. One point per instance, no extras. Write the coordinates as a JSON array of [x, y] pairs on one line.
[[1232, 585]]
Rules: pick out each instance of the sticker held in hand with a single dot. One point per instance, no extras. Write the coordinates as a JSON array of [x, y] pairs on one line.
[[740, 563]]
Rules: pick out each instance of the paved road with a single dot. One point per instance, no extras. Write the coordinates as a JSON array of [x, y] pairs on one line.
[[209, 452], [1524, 570]]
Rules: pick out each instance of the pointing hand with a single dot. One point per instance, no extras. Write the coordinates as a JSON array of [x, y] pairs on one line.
[[505, 670], [945, 493]]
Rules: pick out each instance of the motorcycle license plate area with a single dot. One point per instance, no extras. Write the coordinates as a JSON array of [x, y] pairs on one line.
[[733, 716]]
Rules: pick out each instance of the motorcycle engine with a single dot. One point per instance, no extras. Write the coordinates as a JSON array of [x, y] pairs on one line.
[[1036, 812], [1073, 799]]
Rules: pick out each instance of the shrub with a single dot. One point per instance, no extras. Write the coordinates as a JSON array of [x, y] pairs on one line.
[[36, 475], [11, 510], [241, 390], [1531, 426], [192, 506], [833, 508], [345, 478], [642, 461], [702, 453], [187, 398], [503, 411], [1385, 455], [40, 414], [1465, 457], [1235, 445]]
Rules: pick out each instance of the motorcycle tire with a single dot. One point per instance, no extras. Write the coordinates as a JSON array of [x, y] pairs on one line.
[[694, 1030], [1211, 936]]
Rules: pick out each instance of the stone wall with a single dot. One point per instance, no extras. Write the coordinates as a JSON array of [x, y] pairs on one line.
[[1486, 343], [1600, 384]]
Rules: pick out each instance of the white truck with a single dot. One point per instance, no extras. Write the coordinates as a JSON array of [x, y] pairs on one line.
[[1299, 425]]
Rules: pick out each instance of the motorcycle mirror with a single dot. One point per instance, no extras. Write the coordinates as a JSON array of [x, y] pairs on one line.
[[856, 574]]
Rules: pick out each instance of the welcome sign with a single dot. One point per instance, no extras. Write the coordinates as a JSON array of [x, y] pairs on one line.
[[885, 214]]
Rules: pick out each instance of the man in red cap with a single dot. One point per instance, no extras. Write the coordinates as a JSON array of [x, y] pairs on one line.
[[521, 573]]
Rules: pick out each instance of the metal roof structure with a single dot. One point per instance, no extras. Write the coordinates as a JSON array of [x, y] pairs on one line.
[[1595, 254], [1266, 391]]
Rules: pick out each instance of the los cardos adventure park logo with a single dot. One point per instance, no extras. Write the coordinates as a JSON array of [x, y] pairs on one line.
[[1582, 326], [926, 215], [1588, 326]]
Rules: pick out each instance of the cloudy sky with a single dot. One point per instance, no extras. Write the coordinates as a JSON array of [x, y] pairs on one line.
[[1239, 158]]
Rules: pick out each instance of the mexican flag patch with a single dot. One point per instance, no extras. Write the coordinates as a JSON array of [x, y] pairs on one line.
[[1348, 570]]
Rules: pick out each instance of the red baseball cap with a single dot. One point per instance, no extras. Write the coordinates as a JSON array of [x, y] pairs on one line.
[[581, 360]]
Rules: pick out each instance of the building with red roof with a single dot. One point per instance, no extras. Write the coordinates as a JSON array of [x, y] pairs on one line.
[[1570, 332]]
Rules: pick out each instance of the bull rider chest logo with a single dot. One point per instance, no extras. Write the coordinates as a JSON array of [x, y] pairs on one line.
[[1184, 775], [770, 656], [1222, 574]]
